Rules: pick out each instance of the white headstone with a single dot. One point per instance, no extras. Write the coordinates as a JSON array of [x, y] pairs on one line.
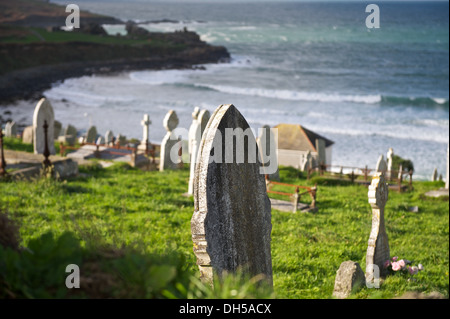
[[169, 142], [389, 158], [145, 125], [11, 129], [43, 113], [381, 165], [100, 140], [109, 137], [192, 129], [197, 128]]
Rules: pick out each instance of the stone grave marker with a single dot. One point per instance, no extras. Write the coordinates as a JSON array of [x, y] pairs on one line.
[[381, 165], [378, 245], [109, 137], [43, 112], [390, 159], [197, 128], [231, 225], [349, 278], [145, 134], [434, 176], [11, 129], [91, 135], [27, 135], [193, 128], [57, 126], [70, 134], [121, 139], [169, 142]]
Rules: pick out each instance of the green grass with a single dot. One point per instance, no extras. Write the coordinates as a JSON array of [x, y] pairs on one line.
[[146, 213]]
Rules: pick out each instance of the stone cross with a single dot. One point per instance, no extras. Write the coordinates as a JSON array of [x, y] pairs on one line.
[[378, 246], [192, 128], [389, 158], [197, 128], [91, 134], [43, 112], [381, 165], [231, 224], [169, 142], [11, 129], [145, 125], [267, 145]]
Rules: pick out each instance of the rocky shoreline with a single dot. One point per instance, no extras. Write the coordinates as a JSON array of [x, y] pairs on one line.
[[27, 68], [30, 83]]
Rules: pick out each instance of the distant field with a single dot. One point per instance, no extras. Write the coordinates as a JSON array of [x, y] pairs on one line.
[[146, 212]]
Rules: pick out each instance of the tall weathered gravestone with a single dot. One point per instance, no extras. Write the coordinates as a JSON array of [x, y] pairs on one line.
[[434, 176], [198, 127], [43, 112], [169, 142], [231, 225], [390, 161], [378, 246]]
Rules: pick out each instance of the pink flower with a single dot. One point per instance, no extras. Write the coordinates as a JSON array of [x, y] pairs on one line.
[[387, 263], [396, 266], [413, 270], [402, 264], [394, 258]]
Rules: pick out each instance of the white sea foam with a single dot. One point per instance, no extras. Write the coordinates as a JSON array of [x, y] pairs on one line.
[[293, 95]]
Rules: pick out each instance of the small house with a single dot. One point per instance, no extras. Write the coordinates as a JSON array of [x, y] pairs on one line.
[[299, 147]]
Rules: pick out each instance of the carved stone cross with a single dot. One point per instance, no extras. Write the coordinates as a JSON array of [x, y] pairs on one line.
[[378, 246]]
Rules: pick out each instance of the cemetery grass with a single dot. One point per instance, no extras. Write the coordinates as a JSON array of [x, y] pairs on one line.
[[136, 216]]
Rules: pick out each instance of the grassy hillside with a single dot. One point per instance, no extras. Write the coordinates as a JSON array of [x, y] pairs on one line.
[[132, 217]]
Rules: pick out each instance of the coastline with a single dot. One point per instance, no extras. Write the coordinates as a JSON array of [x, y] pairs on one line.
[[28, 68]]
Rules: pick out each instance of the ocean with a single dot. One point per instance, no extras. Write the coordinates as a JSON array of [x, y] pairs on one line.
[[310, 63]]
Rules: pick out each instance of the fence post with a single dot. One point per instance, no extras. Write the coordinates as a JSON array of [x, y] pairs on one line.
[[46, 153], [366, 171]]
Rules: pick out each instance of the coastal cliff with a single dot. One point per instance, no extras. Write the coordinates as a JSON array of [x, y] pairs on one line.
[[32, 58]]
